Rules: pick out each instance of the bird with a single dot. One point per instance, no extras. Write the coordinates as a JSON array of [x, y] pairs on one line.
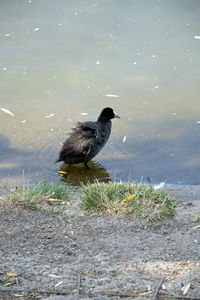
[[87, 139]]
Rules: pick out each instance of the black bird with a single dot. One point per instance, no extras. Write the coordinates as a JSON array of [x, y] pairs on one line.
[[87, 139]]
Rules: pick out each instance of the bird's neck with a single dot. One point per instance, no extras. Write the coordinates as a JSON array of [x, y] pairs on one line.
[[103, 120]]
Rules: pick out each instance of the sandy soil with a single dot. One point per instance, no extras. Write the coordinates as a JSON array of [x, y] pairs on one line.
[[46, 257]]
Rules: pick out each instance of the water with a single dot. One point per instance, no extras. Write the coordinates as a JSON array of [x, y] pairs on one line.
[[59, 59]]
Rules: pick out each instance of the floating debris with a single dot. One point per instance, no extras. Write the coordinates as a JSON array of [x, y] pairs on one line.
[[197, 37], [83, 114], [37, 28], [23, 121], [198, 122], [49, 116], [124, 139], [156, 87], [7, 111], [111, 95]]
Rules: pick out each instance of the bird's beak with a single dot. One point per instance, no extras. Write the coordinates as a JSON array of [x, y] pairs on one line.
[[117, 116]]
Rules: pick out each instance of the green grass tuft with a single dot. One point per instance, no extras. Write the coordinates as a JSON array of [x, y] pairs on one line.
[[44, 196], [143, 202]]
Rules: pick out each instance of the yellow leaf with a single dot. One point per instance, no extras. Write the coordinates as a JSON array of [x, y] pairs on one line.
[[85, 272], [9, 273], [128, 198]]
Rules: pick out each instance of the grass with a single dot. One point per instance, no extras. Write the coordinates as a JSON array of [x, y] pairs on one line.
[[44, 196], [137, 200], [121, 199]]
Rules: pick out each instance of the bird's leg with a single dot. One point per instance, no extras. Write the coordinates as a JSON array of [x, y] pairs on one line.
[[86, 165]]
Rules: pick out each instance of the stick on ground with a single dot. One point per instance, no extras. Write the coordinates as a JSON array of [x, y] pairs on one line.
[[158, 288], [78, 287]]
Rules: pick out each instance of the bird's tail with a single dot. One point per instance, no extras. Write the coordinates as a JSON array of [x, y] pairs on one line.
[[57, 160]]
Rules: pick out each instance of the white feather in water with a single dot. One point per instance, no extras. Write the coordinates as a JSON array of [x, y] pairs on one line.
[[111, 96], [7, 111], [124, 139]]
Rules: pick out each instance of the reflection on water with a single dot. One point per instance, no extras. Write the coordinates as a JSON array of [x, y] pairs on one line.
[[77, 174], [63, 61]]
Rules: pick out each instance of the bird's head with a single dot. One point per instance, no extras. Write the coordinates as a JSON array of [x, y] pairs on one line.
[[107, 114]]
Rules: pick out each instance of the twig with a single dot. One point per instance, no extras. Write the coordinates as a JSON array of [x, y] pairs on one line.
[[174, 296], [158, 288], [78, 287]]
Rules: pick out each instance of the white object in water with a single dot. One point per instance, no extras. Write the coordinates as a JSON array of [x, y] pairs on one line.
[[124, 139], [159, 186], [49, 116], [7, 111], [111, 96]]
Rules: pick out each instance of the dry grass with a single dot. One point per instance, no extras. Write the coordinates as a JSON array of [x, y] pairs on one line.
[[137, 200], [43, 196]]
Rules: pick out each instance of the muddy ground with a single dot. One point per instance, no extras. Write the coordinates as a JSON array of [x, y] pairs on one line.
[[100, 257]]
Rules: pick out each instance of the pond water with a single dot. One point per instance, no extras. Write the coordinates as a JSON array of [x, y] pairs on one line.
[[63, 61]]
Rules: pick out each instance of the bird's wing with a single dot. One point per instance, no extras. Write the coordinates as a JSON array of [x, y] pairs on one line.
[[87, 129], [81, 140]]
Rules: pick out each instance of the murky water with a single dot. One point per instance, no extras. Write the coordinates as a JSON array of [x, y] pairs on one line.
[[60, 59]]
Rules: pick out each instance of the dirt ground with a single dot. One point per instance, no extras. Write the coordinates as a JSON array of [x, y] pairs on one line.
[[100, 257]]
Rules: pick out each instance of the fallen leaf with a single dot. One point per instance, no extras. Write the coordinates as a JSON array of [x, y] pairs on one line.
[[85, 272], [9, 273], [128, 198]]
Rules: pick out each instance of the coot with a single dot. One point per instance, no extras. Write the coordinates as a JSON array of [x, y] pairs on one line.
[[87, 139]]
